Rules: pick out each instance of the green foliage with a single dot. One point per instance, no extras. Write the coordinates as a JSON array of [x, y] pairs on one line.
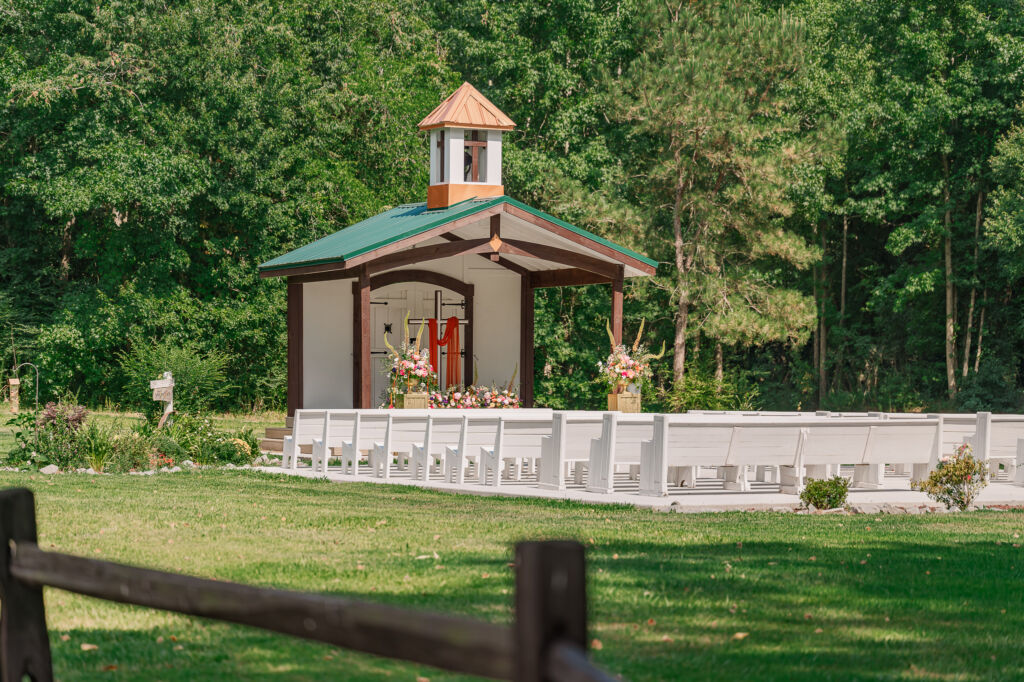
[[95, 444], [193, 438], [200, 379], [827, 493], [132, 451], [956, 481], [696, 392]]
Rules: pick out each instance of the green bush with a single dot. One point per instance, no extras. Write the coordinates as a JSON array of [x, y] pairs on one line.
[[957, 480], [696, 392], [95, 446], [829, 493], [193, 438], [200, 379], [58, 425], [132, 451]]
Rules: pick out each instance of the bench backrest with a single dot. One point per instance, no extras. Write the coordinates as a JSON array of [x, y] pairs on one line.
[[692, 442], [903, 442], [627, 433], [479, 430], [997, 435], [573, 431], [444, 430], [340, 427], [765, 444], [307, 425], [835, 442], [373, 427], [522, 434]]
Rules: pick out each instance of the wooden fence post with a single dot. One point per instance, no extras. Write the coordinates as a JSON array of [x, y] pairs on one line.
[[24, 645], [551, 604]]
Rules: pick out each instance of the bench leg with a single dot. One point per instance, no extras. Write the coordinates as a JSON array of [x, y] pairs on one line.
[[818, 471], [791, 480], [735, 478], [653, 471], [867, 476]]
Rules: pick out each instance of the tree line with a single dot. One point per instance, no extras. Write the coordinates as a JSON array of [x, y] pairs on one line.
[[834, 189]]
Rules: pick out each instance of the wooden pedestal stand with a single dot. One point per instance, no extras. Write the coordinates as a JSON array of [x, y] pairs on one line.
[[624, 402], [412, 401]]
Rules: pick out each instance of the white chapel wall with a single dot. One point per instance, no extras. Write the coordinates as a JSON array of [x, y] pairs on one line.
[[327, 344]]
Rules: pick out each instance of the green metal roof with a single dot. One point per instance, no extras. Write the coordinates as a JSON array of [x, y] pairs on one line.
[[406, 221]]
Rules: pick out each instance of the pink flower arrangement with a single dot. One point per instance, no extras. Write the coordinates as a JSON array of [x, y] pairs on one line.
[[626, 366], [475, 397], [410, 365]]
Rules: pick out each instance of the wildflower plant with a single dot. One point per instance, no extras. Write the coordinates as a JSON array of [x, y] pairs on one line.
[[957, 480]]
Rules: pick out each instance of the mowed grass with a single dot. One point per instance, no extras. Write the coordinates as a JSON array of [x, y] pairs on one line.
[[819, 597]]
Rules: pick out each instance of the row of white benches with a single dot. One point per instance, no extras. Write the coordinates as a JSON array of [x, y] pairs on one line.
[[659, 449]]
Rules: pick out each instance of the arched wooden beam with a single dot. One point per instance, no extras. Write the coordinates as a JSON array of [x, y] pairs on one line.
[[425, 276]]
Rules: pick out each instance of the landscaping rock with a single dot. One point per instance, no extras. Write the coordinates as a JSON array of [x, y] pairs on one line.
[[188, 464], [50, 469], [229, 465], [174, 469], [261, 461]]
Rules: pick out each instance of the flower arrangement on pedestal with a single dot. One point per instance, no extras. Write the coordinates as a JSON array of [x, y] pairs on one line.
[[410, 374], [626, 368]]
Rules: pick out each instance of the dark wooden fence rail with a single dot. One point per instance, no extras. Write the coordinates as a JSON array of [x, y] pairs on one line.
[[548, 640]]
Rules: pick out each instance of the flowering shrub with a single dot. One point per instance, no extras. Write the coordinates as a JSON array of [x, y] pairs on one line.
[[475, 397], [626, 366], [956, 481]]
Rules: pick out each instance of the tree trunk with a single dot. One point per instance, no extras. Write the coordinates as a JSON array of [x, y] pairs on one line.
[[970, 307], [823, 335], [950, 303], [842, 275], [981, 331], [683, 312], [719, 369]]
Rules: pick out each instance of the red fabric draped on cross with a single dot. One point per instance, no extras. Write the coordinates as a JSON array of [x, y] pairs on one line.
[[453, 368]]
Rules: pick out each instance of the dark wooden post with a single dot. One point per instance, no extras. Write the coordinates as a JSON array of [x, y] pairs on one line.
[[365, 362], [617, 306], [526, 341], [24, 646], [551, 604], [467, 368], [294, 346]]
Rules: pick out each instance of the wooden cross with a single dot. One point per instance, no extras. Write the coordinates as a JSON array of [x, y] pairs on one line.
[[475, 145]]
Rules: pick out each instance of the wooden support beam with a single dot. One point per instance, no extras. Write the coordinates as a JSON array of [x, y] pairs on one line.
[[423, 254], [295, 369], [362, 365], [503, 262], [556, 255], [467, 344], [617, 306], [566, 277], [526, 341]]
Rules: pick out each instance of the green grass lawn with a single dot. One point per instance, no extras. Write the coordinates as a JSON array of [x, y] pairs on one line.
[[820, 597]]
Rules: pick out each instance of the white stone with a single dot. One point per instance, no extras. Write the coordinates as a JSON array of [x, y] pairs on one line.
[[174, 469], [229, 465], [50, 469], [188, 464]]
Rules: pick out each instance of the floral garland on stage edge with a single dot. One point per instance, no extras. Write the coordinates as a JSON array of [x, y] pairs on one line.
[[477, 397], [626, 366]]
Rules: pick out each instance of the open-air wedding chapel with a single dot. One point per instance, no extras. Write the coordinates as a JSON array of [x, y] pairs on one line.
[[457, 271]]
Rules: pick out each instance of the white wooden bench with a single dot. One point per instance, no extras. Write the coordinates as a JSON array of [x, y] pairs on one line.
[[480, 431], [519, 441], [567, 446], [619, 443], [340, 432], [997, 441], [405, 429], [306, 425], [444, 429]]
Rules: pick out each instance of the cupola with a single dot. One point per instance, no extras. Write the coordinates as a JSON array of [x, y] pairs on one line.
[[465, 148]]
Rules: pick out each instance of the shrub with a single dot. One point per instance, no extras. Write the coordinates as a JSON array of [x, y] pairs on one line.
[[957, 480], [827, 493], [26, 439], [95, 446], [57, 441], [191, 437], [132, 451], [200, 379], [696, 392]]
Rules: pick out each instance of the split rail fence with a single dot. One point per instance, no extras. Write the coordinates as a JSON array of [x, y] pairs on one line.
[[547, 641]]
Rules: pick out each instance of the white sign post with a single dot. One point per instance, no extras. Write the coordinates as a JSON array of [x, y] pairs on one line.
[[163, 390]]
